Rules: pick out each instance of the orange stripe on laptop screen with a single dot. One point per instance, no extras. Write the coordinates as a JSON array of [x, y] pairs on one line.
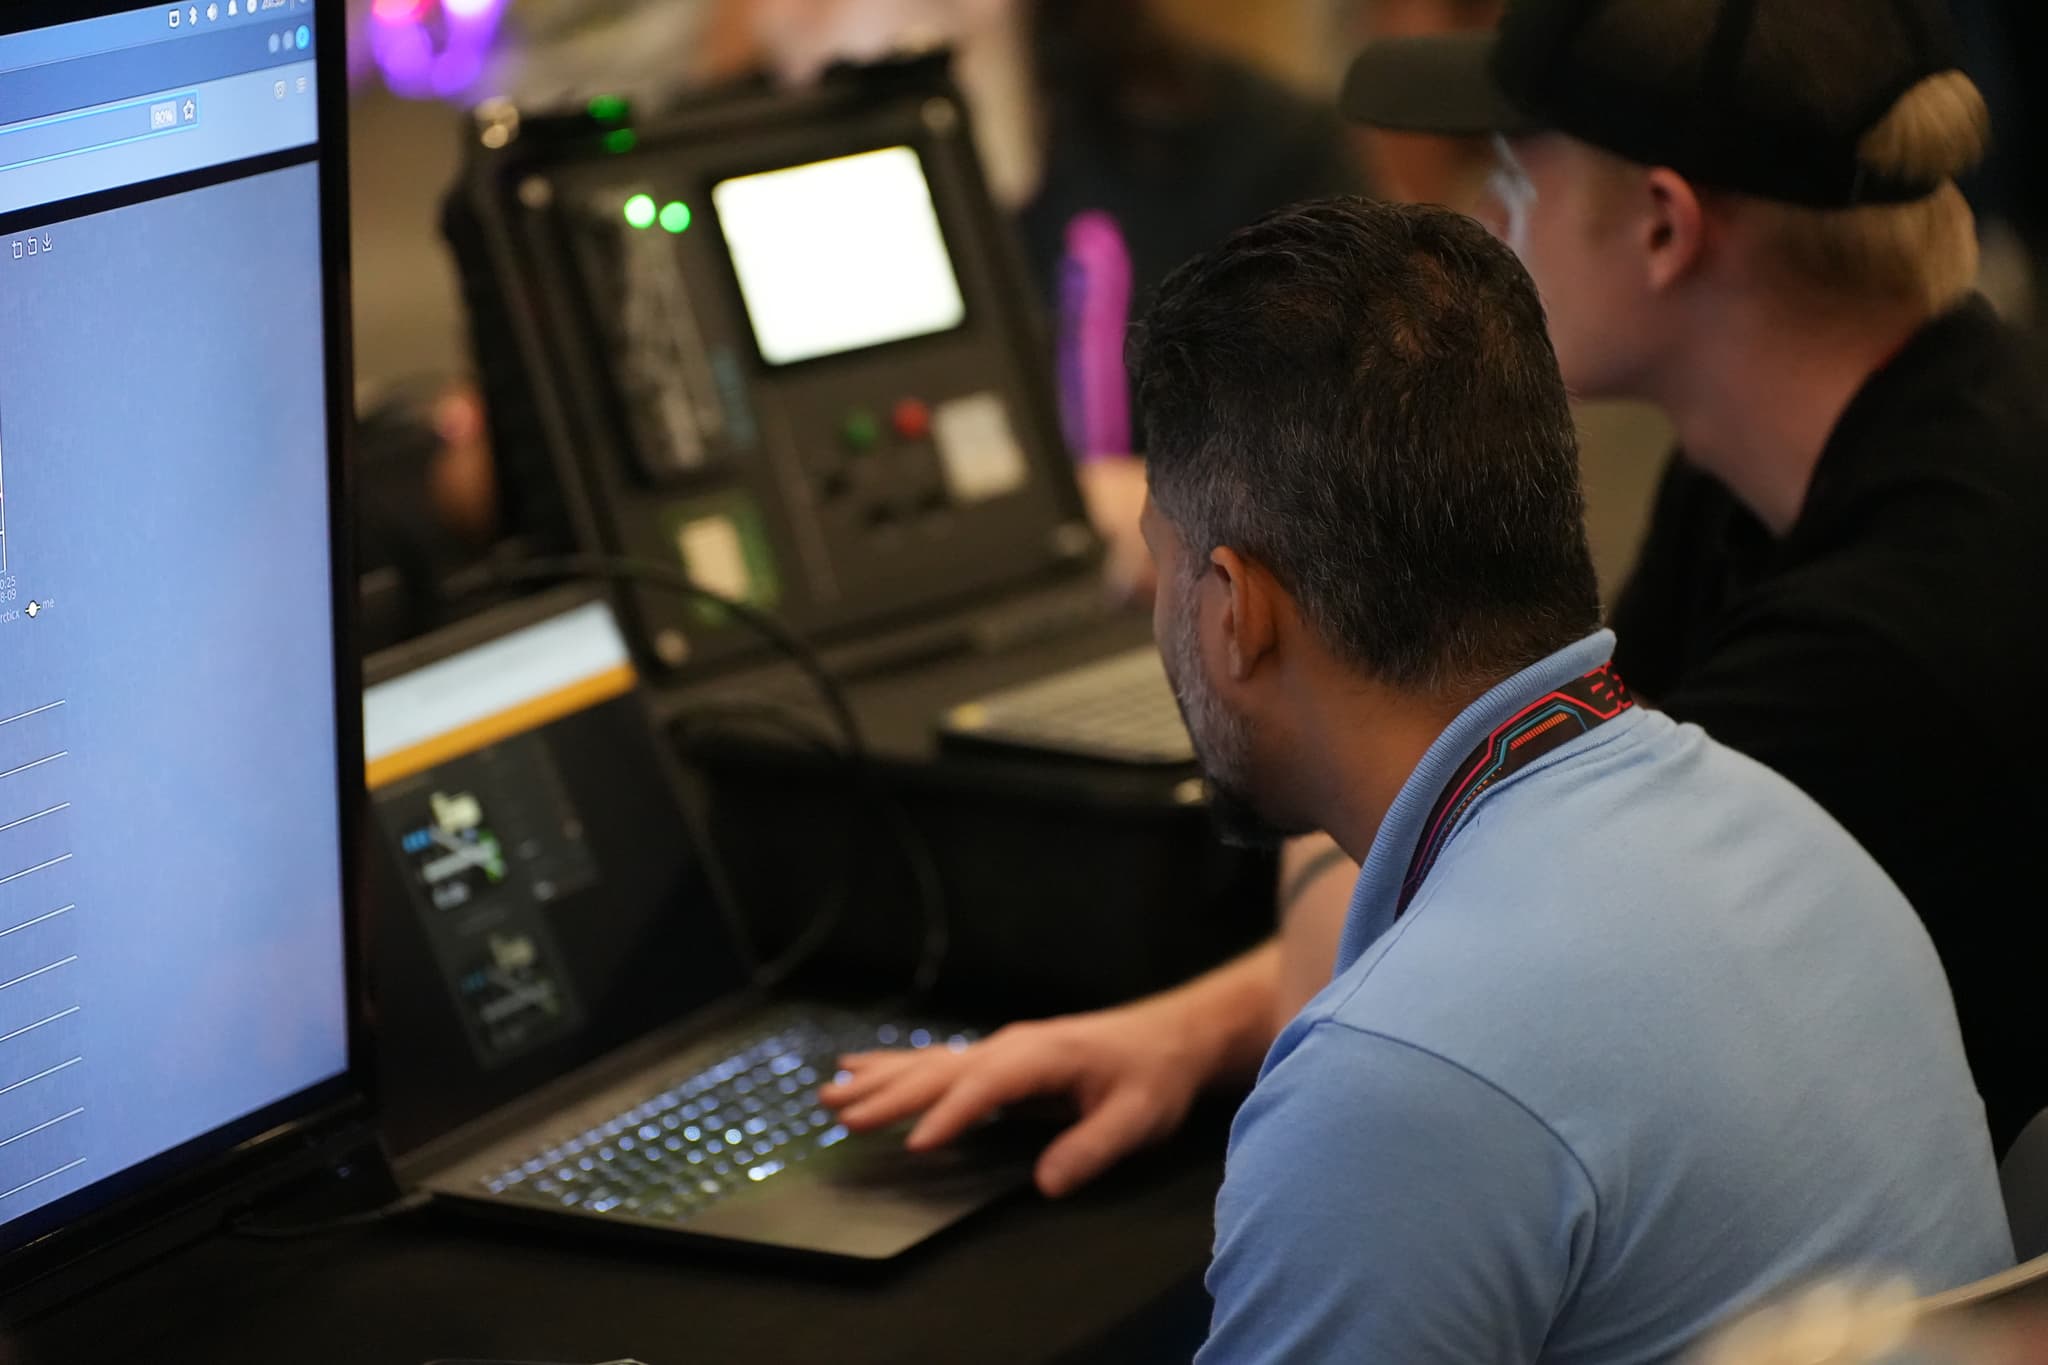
[[527, 716]]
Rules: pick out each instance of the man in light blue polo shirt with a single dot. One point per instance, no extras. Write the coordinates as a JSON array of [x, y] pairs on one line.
[[1626, 1033]]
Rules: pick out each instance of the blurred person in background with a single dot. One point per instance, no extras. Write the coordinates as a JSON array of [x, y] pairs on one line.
[[1417, 168]]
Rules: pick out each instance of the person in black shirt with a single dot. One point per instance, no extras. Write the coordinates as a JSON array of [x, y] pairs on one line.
[[1747, 214], [1855, 652], [1842, 561]]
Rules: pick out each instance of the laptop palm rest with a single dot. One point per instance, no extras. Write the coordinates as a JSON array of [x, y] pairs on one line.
[[879, 1208]]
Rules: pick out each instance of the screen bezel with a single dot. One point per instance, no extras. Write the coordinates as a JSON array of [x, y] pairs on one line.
[[248, 1155]]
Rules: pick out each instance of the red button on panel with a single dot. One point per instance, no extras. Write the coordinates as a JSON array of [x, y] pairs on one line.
[[913, 420]]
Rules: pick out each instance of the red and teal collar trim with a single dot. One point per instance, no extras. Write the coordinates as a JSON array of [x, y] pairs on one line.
[[1545, 724]]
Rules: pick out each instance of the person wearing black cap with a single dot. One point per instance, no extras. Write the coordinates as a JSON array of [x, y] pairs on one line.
[[1745, 211]]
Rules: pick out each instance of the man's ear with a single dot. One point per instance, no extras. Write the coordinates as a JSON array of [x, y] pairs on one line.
[[1249, 616], [1674, 229]]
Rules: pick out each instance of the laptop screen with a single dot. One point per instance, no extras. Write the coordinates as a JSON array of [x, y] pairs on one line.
[[537, 905], [172, 965]]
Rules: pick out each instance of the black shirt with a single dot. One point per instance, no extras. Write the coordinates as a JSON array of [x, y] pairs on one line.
[[1179, 179], [1178, 175], [1884, 656]]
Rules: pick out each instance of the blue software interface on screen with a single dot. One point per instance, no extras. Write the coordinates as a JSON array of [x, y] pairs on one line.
[[170, 869]]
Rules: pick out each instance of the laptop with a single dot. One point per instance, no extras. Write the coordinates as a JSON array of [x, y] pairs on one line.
[[1115, 710], [574, 1030]]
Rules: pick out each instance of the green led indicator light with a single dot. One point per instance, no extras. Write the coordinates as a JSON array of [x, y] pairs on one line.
[[621, 140], [640, 211], [675, 217], [609, 109], [861, 430]]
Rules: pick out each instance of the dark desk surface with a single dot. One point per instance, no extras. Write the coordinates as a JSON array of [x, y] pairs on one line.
[[1109, 1275]]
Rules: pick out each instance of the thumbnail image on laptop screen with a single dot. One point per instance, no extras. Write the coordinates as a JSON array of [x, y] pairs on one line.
[[537, 902], [172, 968], [486, 831]]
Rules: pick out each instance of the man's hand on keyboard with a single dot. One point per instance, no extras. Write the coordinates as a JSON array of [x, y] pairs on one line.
[[1132, 1072]]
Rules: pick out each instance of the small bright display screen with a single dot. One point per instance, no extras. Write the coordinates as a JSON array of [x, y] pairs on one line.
[[839, 255]]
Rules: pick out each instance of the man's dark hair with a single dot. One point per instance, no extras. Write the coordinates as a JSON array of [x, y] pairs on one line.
[[1363, 398]]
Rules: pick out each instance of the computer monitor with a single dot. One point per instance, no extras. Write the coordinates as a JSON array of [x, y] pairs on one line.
[[179, 714]]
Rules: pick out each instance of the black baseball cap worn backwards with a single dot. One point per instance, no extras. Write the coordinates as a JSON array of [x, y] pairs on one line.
[[1763, 97]]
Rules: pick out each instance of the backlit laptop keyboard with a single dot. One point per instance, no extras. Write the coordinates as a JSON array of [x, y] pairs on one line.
[[711, 1134]]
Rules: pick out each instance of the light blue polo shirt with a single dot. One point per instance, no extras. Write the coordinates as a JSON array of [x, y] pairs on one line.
[[1655, 1039]]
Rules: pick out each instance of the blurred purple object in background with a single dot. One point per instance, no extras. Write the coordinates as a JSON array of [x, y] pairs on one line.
[[433, 49], [1095, 311]]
